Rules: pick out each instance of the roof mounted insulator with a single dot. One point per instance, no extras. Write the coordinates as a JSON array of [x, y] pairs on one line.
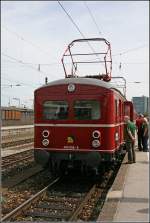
[[46, 80]]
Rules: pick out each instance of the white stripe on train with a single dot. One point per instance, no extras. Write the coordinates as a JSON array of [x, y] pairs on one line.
[[79, 125]]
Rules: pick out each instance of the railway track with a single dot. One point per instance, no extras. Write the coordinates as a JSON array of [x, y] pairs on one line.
[[12, 150], [16, 167], [17, 142], [17, 191], [11, 161], [12, 136], [63, 200]]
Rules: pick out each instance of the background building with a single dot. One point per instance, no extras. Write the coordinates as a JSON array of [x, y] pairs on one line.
[[16, 116], [141, 104]]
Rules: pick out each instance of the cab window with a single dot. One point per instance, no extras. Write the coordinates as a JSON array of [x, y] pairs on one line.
[[87, 110], [55, 110]]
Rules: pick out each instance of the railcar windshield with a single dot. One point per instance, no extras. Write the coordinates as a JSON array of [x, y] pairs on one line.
[[55, 110], [87, 110]]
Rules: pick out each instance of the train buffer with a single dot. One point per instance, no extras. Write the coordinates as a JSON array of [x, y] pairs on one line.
[[131, 202]]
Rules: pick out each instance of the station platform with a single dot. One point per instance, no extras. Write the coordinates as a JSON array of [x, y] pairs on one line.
[[129, 203], [16, 127]]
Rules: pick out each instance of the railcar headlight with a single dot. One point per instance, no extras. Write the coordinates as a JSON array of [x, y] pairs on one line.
[[95, 143], [96, 134], [45, 142], [45, 133]]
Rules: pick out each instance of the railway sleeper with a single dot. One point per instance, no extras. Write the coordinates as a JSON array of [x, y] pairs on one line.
[[38, 214], [54, 206]]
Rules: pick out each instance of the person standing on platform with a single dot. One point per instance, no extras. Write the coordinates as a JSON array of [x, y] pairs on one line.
[[145, 134], [130, 129], [139, 122]]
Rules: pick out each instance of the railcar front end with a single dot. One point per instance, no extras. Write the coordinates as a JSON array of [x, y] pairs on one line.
[[78, 123]]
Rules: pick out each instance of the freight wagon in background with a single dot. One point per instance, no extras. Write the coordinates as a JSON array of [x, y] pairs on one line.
[[16, 116]]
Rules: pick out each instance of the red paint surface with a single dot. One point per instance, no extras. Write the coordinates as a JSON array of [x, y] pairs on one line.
[[82, 135]]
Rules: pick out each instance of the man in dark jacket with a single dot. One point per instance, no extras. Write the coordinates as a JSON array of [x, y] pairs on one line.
[[139, 122]]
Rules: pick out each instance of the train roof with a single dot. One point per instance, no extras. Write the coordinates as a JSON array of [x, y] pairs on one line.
[[80, 80]]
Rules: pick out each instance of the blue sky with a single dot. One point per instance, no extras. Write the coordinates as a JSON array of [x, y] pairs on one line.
[[38, 32]]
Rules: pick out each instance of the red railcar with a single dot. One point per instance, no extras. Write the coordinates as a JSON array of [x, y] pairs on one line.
[[79, 122], [79, 119]]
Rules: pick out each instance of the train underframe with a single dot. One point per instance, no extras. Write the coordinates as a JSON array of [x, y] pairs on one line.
[[89, 162]]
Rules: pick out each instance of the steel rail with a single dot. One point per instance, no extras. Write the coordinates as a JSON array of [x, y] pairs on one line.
[[28, 202], [16, 161], [80, 208]]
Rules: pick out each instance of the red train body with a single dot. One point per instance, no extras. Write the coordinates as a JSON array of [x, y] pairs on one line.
[[85, 124], [79, 121]]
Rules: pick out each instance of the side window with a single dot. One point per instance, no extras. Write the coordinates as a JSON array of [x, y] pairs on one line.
[[55, 110], [87, 110]]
